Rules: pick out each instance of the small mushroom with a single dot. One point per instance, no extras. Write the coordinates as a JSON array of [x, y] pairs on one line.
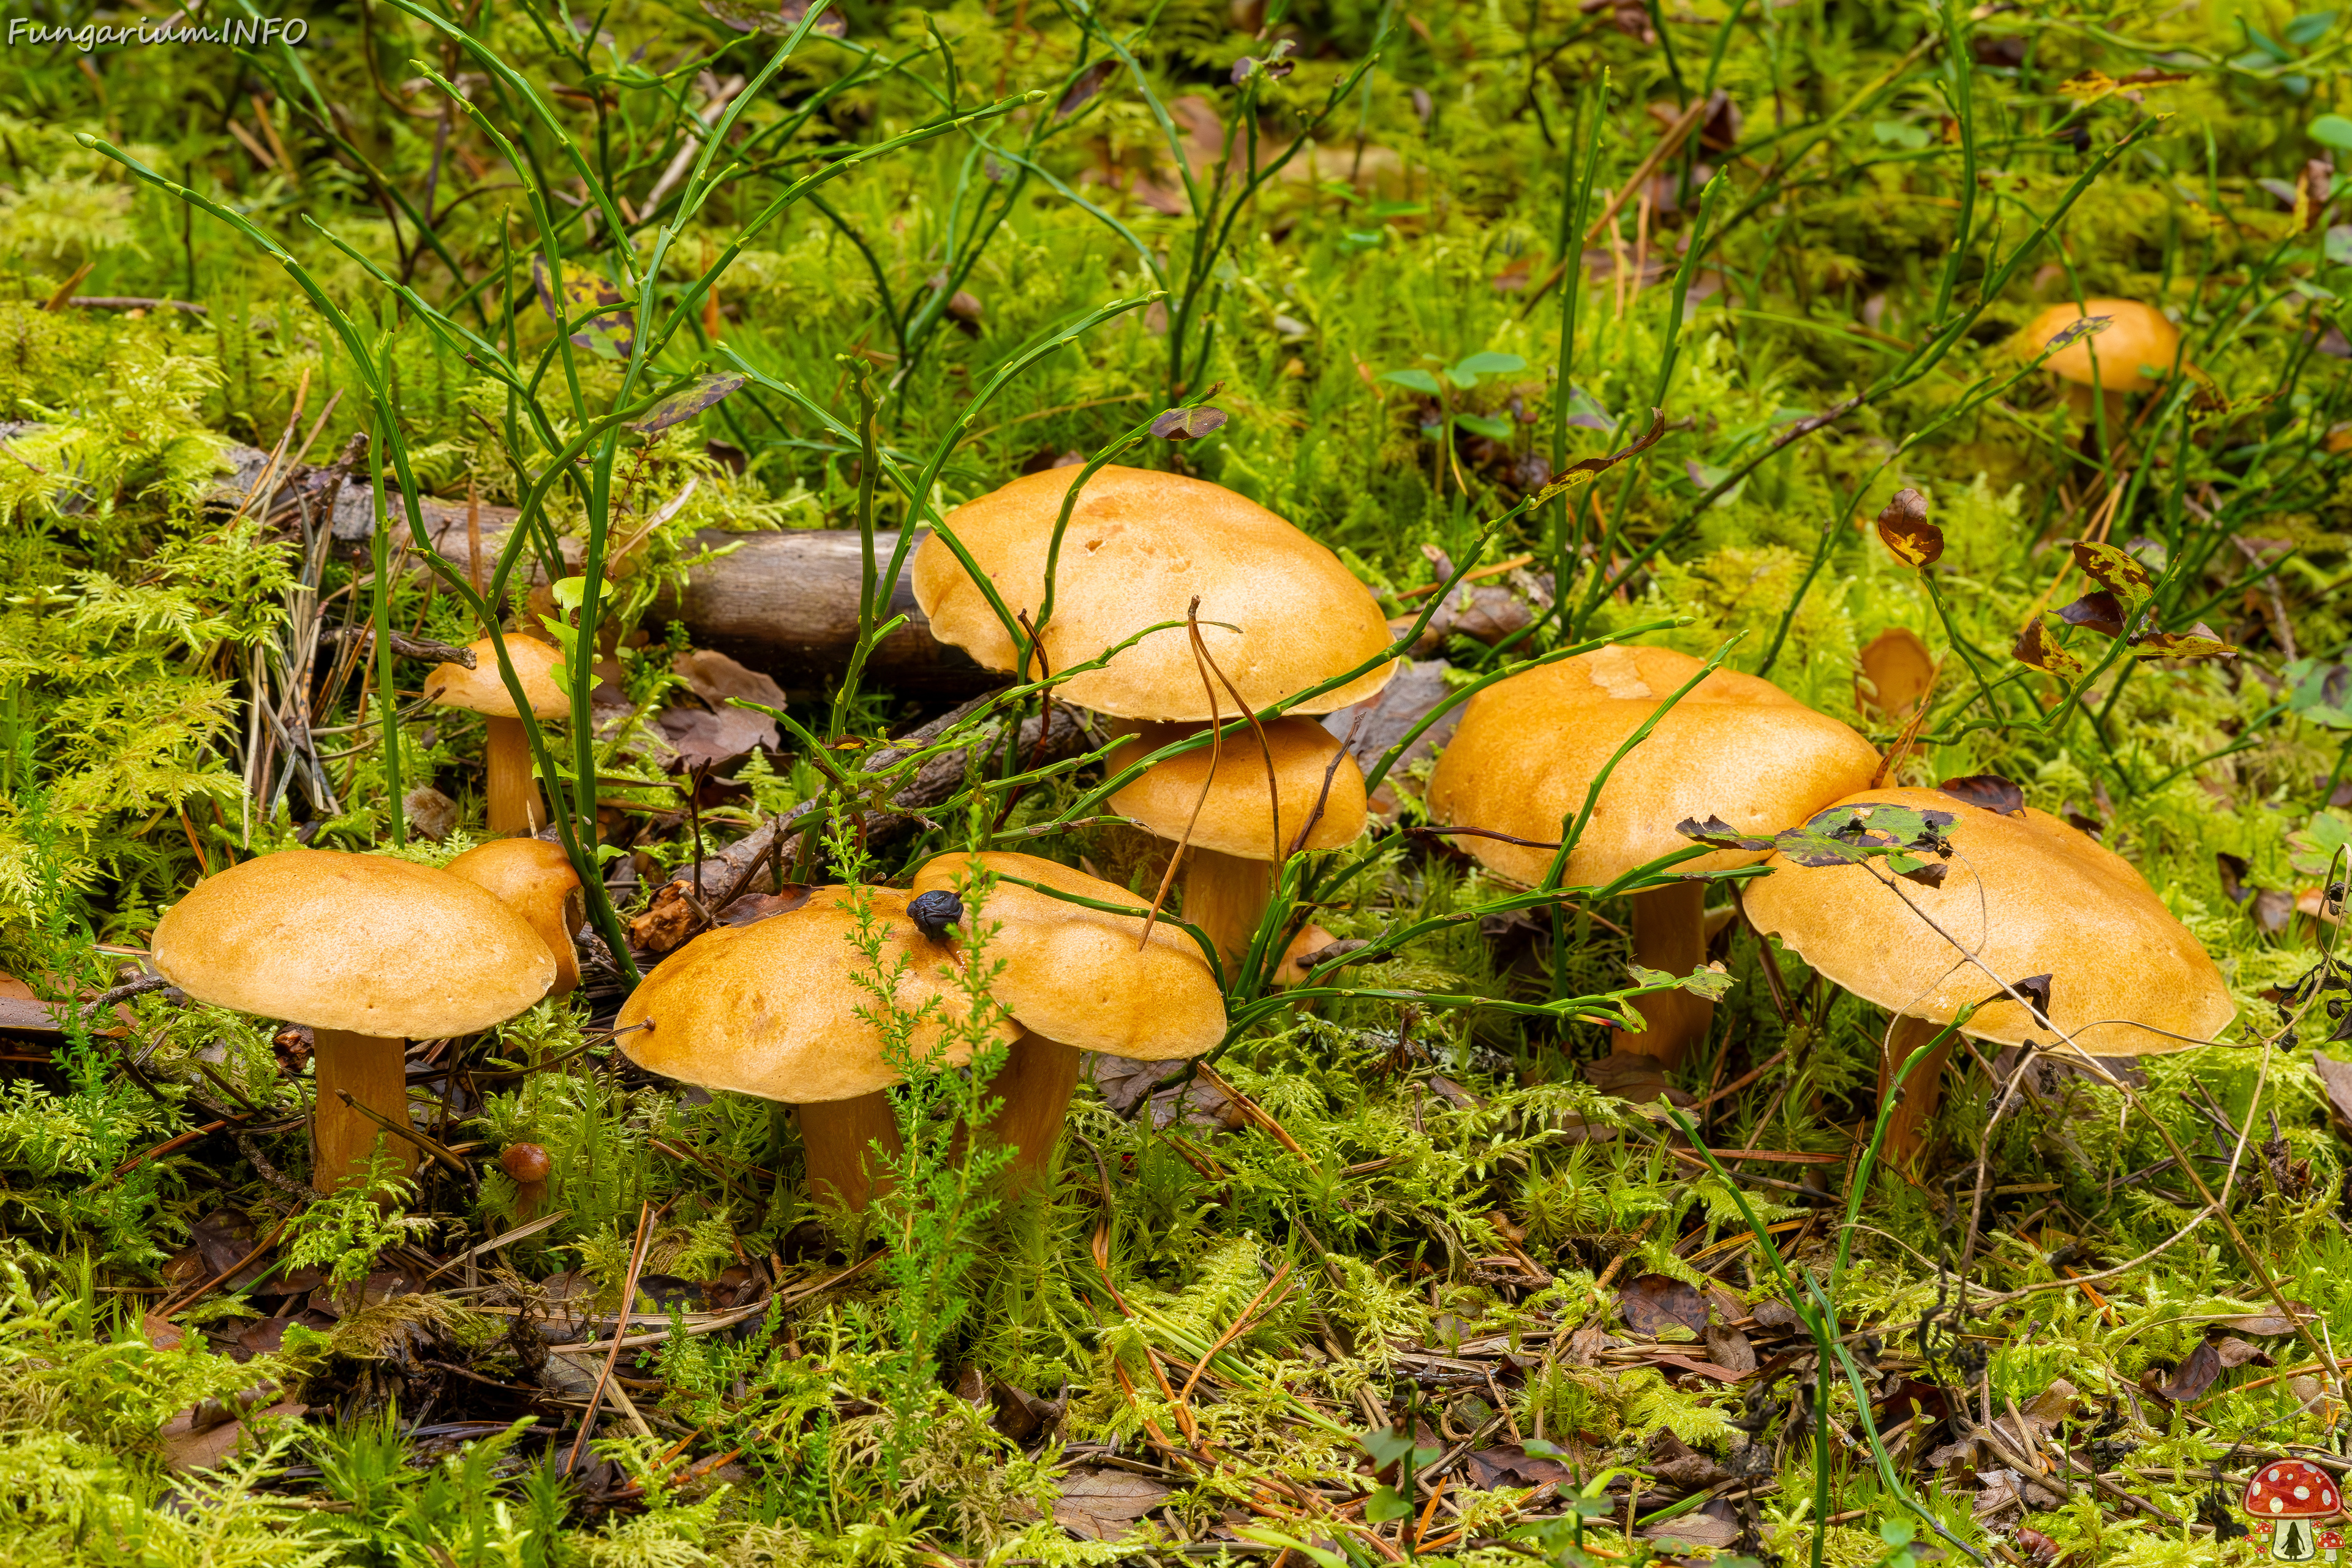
[[776, 1009], [2027, 895], [1529, 748], [1076, 979], [369, 952], [512, 803], [1229, 865], [530, 1166], [535, 880], [2137, 351]]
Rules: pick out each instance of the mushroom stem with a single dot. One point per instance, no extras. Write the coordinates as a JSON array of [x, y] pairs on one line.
[[836, 1136], [1226, 896], [1907, 1129], [1670, 933], [511, 793], [374, 1070], [1035, 1084]]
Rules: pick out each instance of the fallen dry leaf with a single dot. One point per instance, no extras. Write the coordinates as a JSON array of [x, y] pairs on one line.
[[1655, 1303], [1508, 1464], [1100, 1503], [1729, 1349], [1694, 1530]]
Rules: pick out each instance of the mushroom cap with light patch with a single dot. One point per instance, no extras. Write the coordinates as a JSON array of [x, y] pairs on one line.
[[776, 1008], [1235, 819], [1080, 975], [2028, 895], [1139, 547], [2292, 1489], [1529, 748], [2136, 348], [534, 878], [365, 943], [480, 690]]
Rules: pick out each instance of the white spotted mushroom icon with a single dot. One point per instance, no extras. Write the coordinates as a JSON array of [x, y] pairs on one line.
[[2292, 1497]]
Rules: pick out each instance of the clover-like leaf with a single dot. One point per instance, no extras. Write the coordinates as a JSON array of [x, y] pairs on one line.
[[687, 400]]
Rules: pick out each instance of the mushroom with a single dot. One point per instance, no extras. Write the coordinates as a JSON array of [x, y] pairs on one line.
[[1236, 838], [1076, 979], [776, 1009], [1735, 747], [2137, 351], [535, 880], [1278, 614], [529, 1165], [369, 952], [1140, 546], [2290, 1496], [2027, 895], [512, 803]]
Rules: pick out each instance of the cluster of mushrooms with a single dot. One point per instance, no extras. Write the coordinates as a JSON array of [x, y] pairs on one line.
[[370, 952]]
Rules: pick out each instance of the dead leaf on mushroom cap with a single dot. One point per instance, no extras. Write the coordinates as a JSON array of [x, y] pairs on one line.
[[1989, 790]]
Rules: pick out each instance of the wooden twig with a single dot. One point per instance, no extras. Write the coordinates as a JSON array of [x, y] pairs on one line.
[[628, 1301]]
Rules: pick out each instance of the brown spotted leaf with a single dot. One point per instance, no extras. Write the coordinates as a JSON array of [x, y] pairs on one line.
[[1586, 470], [2035, 646], [687, 402], [1904, 530], [2117, 571], [2199, 641], [587, 301]]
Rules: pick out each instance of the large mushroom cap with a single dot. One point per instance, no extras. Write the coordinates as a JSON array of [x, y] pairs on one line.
[[1234, 819], [363, 944], [1139, 547], [2136, 350], [1529, 748], [1075, 974], [2028, 895], [2292, 1489], [480, 690], [776, 1009], [535, 880]]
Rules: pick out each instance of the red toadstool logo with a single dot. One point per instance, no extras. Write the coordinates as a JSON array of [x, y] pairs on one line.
[[2290, 1503]]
